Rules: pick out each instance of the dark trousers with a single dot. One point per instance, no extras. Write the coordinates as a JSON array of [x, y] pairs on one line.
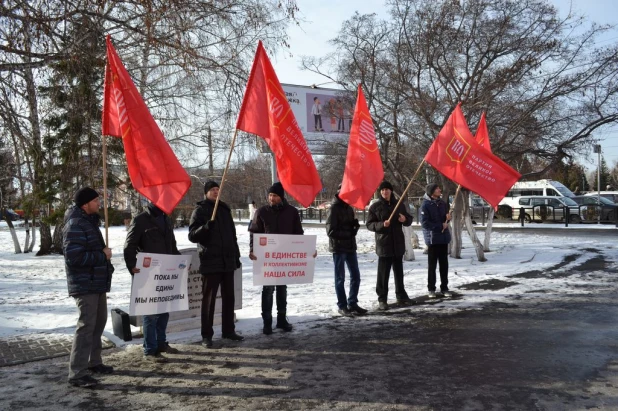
[[154, 332], [87, 345], [384, 271], [340, 124], [267, 300], [210, 286], [437, 253], [317, 119], [340, 260]]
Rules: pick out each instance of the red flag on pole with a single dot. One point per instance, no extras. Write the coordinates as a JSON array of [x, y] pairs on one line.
[[482, 135], [459, 157], [266, 112], [155, 171], [363, 165]]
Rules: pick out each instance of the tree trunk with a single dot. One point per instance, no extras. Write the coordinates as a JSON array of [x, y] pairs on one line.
[[490, 223], [33, 240], [407, 234], [27, 241], [457, 225], [415, 243], [478, 247], [46, 240], [14, 236], [57, 237]]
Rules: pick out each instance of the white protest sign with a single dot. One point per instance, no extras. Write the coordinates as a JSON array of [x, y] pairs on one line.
[[283, 259], [161, 284]]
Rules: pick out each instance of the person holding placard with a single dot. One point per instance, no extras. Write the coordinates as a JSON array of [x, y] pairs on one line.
[[217, 247], [277, 217], [151, 232]]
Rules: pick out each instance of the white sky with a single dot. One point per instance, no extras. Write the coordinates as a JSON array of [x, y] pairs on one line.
[[323, 19]]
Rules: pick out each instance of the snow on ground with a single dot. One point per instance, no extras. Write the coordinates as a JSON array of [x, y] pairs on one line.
[[33, 290]]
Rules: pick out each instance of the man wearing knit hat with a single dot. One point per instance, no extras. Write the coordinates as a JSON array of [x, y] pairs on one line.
[[390, 243], [217, 247], [89, 278], [278, 217], [434, 220]]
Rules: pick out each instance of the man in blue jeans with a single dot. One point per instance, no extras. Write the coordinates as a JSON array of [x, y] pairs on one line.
[[151, 232], [342, 227]]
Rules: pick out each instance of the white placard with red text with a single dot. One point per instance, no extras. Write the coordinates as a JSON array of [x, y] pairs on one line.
[[283, 259], [161, 284]]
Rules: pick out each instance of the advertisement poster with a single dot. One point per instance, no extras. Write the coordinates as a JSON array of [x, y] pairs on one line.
[[323, 115], [283, 259], [161, 284]]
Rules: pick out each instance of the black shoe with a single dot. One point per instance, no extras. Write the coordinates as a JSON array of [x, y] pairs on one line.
[[357, 309], [268, 329], [168, 349], [84, 382], [382, 305], [283, 324], [207, 342], [345, 312], [406, 301], [233, 337], [102, 369]]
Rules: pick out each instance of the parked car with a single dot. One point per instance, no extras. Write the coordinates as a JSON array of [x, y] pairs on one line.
[[544, 208], [610, 195], [595, 204], [10, 214]]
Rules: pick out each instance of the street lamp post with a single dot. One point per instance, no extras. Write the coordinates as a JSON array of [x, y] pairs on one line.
[[597, 149]]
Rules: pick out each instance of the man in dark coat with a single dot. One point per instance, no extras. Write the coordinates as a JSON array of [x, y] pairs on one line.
[[341, 228], [217, 247], [278, 217], [390, 243], [151, 232], [434, 220], [89, 278]]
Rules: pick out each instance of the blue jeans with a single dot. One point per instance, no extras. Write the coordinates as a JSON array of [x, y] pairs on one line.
[[154, 332], [340, 260]]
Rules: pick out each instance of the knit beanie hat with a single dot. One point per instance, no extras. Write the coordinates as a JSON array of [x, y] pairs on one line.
[[385, 184], [84, 196], [277, 188], [431, 188], [208, 185]]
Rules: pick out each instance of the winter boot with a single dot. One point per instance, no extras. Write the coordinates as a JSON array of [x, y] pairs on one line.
[[268, 324], [282, 323]]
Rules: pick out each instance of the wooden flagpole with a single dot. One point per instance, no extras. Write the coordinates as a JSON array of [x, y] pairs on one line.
[[406, 190], [227, 165], [105, 190]]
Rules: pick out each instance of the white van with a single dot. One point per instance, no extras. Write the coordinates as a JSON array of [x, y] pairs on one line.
[[547, 188]]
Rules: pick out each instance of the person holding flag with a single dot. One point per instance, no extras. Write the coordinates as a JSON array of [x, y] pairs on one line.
[[434, 220], [390, 243]]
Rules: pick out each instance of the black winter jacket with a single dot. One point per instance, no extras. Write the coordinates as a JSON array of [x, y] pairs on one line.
[[88, 270], [280, 219], [217, 247], [341, 227], [433, 215], [390, 241], [147, 236]]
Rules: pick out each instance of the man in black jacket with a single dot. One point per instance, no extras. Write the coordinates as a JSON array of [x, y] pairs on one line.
[[390, 243], [278, 217], [217, 246], [89, 278], [342, 227], [151, 232]]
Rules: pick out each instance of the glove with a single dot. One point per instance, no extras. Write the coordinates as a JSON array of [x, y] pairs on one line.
[[209, 224]]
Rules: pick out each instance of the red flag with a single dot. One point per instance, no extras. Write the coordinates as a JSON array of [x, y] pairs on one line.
[[266, 112], [482, 135], [459, 157], [155, 171], [363, 165]]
